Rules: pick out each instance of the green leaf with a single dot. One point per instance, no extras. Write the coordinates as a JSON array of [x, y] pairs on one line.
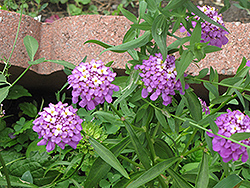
[[213, 125], [142, 8], [38, 61], [4, 93], [108, 157], [159, 33], [61, 62], [179, 180], [143, 26], [34, 147], [16, 182], [129, 15], [194, 105], [211, 88], [31, 46], [196, 34], [18, 91], [28, 109], [2, 78], [100, 168], [240, 97], [220, 99], [162, 149], [58, 163], [134, 77], [210, 49], [153, 172], [202, 179], [27, 177], [242, 64], [136, 43], [182, 65], [240, 136], [203, 73], [172, 5], [229, 182], [231, 81], [161, 118]]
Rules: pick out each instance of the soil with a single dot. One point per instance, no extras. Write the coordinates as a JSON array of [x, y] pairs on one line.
[[109, 7]]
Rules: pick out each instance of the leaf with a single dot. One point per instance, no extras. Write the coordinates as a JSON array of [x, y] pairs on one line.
[[61, 62], [242, 64], [210, 49], [108, 157], [172, 5], [229, 182], [194, 105], [159, 33], [27, 177], [220, 99], [240, 136], [240, 97], [182, 65], [16, 182], [134, 77], [4, 93], [162, 149], [100, 168], [211, 88], [129, 15], [179, 180], [2, 78], [153, 172], [231, 81], [34, 147], [161, 118], [202, 178], [18, 91], [31, 46], [28, 109], [196, 34], [136, 43], [143, 26], [203, 73], [213, 125], [38, 61], [142, 9]]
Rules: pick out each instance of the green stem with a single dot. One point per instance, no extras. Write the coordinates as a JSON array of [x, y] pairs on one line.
[[5, 171], [156, 130], [220, 84], [189, 141], [131, 162], [18, 28], [20, 76]]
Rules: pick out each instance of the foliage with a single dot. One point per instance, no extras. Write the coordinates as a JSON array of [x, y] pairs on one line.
[[132, 139]]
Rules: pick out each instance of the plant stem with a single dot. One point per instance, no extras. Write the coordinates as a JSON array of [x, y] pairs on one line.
[[20, 76], [131, 162], [18, 28], [5, 171]]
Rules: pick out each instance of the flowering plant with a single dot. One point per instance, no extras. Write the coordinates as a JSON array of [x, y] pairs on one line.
[[147, 128]]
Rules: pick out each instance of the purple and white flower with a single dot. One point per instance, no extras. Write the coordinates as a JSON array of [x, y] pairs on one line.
[[231, 123], [92, 82], [159, 78], [58, 124], [211, 33], [204, 106]]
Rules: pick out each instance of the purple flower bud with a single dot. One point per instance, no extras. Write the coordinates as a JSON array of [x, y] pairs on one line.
[[231, 123], [159, 78], [92, 82], [204, 107], [58, 124]]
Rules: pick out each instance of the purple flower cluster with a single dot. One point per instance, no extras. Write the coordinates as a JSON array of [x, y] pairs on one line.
[[159, 78], [211, 32], [58, 124], [204, 106], [231, 123], [92, 82]]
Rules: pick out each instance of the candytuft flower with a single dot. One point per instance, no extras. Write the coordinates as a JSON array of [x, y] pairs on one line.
[[204, 106], [159, 78], [211, 32], [92, 82], [58, 124], [231, 123]]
